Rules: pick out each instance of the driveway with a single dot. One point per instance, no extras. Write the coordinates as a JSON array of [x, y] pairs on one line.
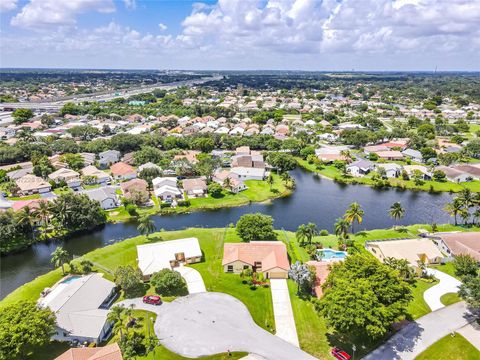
[[420, 334], [447, 284], [193, 278], [282, 311], [210, 323]]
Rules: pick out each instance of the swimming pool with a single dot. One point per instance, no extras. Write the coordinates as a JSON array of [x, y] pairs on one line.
[[329, 254], [70, 279]]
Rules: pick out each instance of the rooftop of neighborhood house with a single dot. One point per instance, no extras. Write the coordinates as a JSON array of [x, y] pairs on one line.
[[76, 303], [271, 254], [462, 243], [108, 352], [157, 256], [411, 250]]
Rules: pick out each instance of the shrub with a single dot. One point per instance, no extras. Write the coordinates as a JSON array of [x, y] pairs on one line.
[[323, 232], [169, 283], [165, 205], [184, 203], [131, 209]]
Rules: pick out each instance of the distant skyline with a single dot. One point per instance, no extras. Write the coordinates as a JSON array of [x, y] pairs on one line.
[[311, 35]]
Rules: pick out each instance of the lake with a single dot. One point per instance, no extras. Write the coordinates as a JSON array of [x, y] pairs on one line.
[[315, 199]]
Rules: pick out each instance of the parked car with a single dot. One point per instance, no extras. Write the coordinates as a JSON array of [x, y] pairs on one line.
[[152, 299], [339, 354]]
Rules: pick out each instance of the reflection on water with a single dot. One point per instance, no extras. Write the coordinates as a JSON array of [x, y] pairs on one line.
[[315, 200]]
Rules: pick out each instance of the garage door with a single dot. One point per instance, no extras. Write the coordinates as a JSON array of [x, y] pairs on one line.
[[277, 275]]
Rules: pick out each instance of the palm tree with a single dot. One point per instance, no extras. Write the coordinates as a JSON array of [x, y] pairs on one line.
[[341, 228], [60, 257], [396, 211], [146, 225], [227, 183], [468, 200], [354, 214], [454, 208], [312, 231], [286, 177], [301, 233], [27, 217], [116, 317], [43, 212], [270, 180]]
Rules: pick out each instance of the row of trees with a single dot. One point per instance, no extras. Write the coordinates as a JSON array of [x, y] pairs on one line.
[[67, 213], [466, 205]]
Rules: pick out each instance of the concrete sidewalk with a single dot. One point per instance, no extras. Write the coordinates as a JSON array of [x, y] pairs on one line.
[[471, 332], [417, 336], [282, 311]]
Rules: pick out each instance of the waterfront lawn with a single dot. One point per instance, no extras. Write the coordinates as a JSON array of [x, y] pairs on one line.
[[418, 307], [107, 259], [332, 172], [450, 348], [450, 298]]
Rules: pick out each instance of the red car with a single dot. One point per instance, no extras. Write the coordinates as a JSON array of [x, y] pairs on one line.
[[152, 299], [339, 354]]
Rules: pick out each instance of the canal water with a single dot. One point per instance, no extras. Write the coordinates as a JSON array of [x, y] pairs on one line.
[[315, 199]]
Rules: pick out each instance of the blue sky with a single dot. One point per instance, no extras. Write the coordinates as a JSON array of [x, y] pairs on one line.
[[242, 34]]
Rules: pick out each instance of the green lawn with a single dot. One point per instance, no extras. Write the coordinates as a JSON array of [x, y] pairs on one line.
[[258, 191], [28, 197], [418, 307], [450, 348], [332, 172], [447, 268], [450, 298]]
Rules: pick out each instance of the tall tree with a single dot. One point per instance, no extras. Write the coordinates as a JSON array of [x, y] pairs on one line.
[[251, 227], [454, 208], [396, 211], [341, 228], [363, 297], [23, 328], [354, 214], [60, 257], [146, 225], [116, 316]]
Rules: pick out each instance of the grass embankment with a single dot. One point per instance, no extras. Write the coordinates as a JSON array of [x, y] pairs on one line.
[[258, 191], [450, 348], [331, 172]]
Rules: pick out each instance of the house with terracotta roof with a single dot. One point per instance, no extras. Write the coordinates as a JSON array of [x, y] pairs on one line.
[[459, 243], [108, 352], [267, 257], [134, 185], [322, 270], [30, 184], [123, 171]]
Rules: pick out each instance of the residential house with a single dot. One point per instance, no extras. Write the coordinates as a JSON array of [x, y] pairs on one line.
[[123, 171], [391, 155], [134, 185], [92, 175], [190, 156], [236, 185], [267, 257], [166, 189], [88, 158], [149, 165], [392, 170], [459, 243], [17, 174], [30, 184], [70, 177], [80, 304], [109, 157], [195, 187], [167, 255], [107, 352], [472, 170], [106, 196], [412, 250], [455, 175], [414, 155], [411, 169], [247, 173], [360, 167]]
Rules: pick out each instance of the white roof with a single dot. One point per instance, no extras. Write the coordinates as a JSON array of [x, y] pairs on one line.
[[76, 304], [248, 171], [167, 189], [157, 256], [158, 181]]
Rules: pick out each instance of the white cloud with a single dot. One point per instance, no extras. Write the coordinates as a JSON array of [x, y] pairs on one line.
[[7, 5], [41, 14], [130, 4], [162, 26]]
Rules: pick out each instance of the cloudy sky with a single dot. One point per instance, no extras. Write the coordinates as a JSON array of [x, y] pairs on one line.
[[242, 34]]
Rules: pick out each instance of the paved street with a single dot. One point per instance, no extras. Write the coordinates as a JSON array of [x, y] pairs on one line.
[[282, 310], [210, 323], [420, 334], [447, 284]]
